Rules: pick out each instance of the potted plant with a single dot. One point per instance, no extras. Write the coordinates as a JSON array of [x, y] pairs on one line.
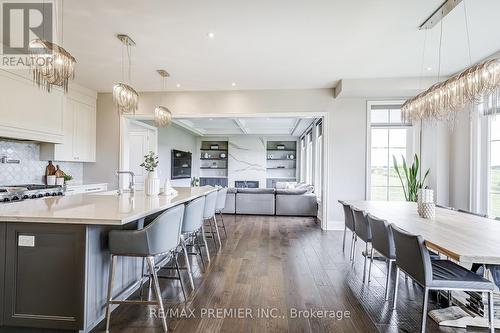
[[152, 182], [412, 181], [68, 179]]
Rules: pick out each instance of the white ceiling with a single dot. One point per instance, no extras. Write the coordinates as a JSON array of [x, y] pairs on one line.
[[234, 126], [278, 44]]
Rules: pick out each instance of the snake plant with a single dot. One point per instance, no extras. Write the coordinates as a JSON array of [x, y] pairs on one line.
[[412, 181]]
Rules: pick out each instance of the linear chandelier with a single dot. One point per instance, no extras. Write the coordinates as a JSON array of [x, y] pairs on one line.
[[163, 116], [125, 97], [442, 100]]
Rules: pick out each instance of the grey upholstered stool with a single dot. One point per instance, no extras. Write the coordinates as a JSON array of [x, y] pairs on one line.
[[383, 242], [348, 224], [209, 216], [363, 232], [192, 227], [160, 237], [220, 205], [413, 258]]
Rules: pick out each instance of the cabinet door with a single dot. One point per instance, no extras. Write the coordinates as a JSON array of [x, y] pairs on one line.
[[84, 132], [64, 151]]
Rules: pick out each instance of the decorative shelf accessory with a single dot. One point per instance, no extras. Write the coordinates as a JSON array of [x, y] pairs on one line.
[[125, 97], [163, 116], [50, 63]]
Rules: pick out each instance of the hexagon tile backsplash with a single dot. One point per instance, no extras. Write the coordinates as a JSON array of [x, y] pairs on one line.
[[30, 170]]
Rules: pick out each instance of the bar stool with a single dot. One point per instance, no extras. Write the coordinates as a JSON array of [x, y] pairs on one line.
[[160, 237], [363, 231], [220, 205], [192, 226], [348, 224], [209, 216]]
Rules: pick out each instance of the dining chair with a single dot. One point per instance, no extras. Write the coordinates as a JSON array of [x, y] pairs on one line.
[[363, 232], [383, 242], [220, 205], [159, 238], [348, 224], [413, 258]]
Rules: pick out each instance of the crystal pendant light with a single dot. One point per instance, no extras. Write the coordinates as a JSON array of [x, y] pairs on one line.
[[50, 63], [444, 99], [125, 97], [163, 116]]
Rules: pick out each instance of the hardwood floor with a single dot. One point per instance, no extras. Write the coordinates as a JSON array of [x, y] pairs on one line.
[[280, 264]]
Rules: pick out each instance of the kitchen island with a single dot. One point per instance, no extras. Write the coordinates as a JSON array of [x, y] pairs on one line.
[[54, 259]]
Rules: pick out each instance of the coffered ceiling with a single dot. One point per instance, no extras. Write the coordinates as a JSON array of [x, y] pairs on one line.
[[278, 44], [234, 126]]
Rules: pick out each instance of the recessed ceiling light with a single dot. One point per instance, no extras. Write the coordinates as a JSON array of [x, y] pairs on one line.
[[211, 35], [178, 85], [211, 119], [429, 68], [233, 84]]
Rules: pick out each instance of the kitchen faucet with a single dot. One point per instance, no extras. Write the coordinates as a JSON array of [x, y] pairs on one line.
[[131, 184]]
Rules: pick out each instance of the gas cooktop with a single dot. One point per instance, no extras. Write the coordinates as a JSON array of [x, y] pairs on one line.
[[29, 191]]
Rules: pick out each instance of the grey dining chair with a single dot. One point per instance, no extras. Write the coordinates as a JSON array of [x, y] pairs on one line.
[[192, 227], [220, 205], [383, 242], [209, 216], [159, 238], [348, 224], [363, 232], [413, 258]]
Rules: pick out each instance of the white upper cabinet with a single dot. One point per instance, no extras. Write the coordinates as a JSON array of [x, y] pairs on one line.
[[79, 144], [28, 112]]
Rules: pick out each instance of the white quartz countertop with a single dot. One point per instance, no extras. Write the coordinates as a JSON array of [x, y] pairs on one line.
[[105, 208]]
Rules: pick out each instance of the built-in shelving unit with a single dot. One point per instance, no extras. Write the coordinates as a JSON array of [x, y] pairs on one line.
[[213, 163], [181, 164], [281, 161]]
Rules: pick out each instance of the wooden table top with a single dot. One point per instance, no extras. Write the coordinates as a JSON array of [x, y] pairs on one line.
[[463, 237]]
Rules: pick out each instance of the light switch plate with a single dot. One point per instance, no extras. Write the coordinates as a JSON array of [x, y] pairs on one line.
[[26, 241]]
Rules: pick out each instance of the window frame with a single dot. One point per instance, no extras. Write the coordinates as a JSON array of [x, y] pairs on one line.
[[487, 174], [410, 143]]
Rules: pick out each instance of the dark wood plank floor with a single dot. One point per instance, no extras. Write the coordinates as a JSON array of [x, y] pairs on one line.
[[281, 264]]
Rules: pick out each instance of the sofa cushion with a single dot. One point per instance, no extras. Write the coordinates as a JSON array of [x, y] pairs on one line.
[[309, 188], [231, 190], [295, 191], [256, 190]]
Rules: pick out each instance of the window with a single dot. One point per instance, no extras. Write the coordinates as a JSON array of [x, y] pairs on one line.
[[494, 167], [388, 137], [309, 158], [319, 158]]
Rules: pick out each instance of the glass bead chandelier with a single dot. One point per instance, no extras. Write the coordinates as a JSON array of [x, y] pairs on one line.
[[162, 115], [444, 99], [125, 97], [50, 63]]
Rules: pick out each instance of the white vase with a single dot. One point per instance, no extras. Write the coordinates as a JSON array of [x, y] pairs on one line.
[[152, 184]]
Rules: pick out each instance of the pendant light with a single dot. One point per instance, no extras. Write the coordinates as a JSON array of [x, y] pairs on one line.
[[50, 63], [444, 99], [163, 116], [125, 97]]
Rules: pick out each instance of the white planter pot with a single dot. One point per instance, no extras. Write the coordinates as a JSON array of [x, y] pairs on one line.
[[152, 184]]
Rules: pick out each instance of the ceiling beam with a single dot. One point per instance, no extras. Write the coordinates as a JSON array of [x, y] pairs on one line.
[[443, 10], [240, 125], [191, 129]]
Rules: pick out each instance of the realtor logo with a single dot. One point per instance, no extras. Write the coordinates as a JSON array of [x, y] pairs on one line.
[[23, 22]]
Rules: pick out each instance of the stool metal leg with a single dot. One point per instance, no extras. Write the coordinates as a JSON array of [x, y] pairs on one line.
[[370, 267], [343, 242], [217, 232], [212, 232], [388, 279], [205, 241], [366, 258], [223, 225], [491, 312], [354, 250], [424, 310], [180, 277], [352, 245], [396, 285], [110, 290], [142, 277], [188, 265], [156, 283]]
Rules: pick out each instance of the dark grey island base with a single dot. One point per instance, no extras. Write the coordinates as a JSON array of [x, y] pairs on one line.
[[61, 281], [54, 258]]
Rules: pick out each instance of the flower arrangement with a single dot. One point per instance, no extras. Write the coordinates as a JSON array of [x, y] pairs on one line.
[[150, 162]]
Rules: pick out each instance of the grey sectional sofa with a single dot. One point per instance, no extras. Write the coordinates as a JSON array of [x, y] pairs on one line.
[[264, 201]]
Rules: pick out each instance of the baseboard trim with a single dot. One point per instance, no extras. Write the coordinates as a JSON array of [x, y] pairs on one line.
[[335, 225]]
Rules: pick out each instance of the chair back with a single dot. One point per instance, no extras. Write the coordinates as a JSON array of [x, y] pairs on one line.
[[382, 239], [348, 218], [193, 215], [361, 226], [412, 256], [221, 199], [210, 202]]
